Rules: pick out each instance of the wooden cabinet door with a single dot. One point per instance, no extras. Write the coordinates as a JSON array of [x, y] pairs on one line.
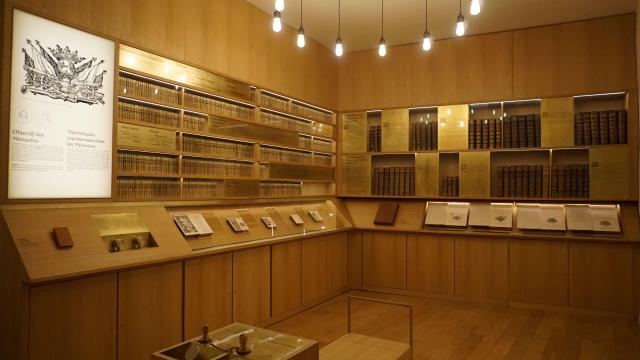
[[481, 268], [384, 260], [74, 320], [430, 265], [286, 277], [207, 293], [252, 285], [149, 310], [314, 269], [337, 263]]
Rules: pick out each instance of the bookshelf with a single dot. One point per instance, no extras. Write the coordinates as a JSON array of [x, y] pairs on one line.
[[201, 136], [500, 150]]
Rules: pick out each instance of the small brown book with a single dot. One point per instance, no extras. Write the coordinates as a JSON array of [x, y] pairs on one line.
[[62, 237], [386, 214]]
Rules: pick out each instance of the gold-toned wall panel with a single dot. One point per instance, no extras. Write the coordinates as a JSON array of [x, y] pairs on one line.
[[284, 171], [427, 174], [240, 188], [475, 174], [395, 130], [610, 173], [356, 175], [354, 132], [556, 122], [453, 123], [146, 137], [228, 127]]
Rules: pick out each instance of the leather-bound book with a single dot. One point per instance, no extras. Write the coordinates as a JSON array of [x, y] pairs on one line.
[[622, 126], [522, 131], [472, 134], [603, 119], [515, 133], [506, 132], [586, 124], [613, 127], [578, 129], [492, 133], [538, 130], [595, 128], [525, 180], [500, 182], [498, 134], [531, 130], [386, 214]]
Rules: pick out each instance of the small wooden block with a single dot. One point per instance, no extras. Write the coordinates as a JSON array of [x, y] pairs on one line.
[[62, 237]]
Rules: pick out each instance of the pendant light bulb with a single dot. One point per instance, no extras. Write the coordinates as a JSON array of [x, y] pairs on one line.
[[460, 25], [300, 41], [279, 5], [339, 49], [382, 48], [277, 21], [475, 7], [426, 41]]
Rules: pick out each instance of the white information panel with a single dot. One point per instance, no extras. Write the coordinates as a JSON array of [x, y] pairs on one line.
[[61, 111]]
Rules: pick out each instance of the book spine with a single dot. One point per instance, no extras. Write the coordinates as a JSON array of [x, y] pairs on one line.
[[586, 125], [492, 133], [498, 133], [595, 128], [531, 130], [578, 131], [522, 131], [515, 133], [603, 119], [538, 130], [472, 134], [613, 127], [539, 181], [622, 126], [506, 132]]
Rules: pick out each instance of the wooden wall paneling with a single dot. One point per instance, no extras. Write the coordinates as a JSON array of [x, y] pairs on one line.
[[574, 58], [74, 319], [337, 263], [384, 259], [207, 293], [481, 268], [314, 269], [149, 310], [430, 263], [251, 285], [286, 277], [601, 277], [355, 259], [539, 272]]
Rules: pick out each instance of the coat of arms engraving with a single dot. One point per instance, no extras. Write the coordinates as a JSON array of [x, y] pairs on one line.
[[62, 74]]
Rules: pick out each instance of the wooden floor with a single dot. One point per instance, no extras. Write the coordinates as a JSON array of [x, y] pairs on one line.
[[461, 330]]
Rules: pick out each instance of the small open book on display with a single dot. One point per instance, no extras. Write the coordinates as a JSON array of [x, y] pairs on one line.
[[192, 225], [598, 218], [540, 217], [238, 224], [447, 214]]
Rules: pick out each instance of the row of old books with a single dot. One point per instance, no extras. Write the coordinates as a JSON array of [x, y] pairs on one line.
[[194, 122], [147, 114], [522, 181], [149, 90], [423, 136], [211, 146], [450, 186], [375, 139], [485, 134], [271, 188], [146, 188], [322, 145], [272, 119], [326, 160], [217, 107], [273, 102], [521, 131], [570, 181], [310, 113], [146, 163], [398, 181], [600, 127], [285, 155], [200, 189], [215, 167]]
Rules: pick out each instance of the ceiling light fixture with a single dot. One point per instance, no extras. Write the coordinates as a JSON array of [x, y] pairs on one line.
[[300, 41], [474, 9], [460, 22], [339, 49], [426, 38], [382, 46], [279, 5], [277, 21]]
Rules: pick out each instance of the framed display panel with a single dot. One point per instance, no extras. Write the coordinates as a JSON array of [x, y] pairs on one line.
[[475, 174], [374, 130], [453, 123], [556, 122], [356, 175], [354, 132], [61, 117], [395, 130], [427, 174], [609, 175]]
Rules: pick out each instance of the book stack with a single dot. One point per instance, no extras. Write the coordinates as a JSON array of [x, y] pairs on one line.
[[326, 160], [147, 114], [322, 145], [274, 102], [194, 122], [600, 127], [214, 167], [212, 146], [423, 136], [393, 181], [268, 153], [485, 134], [146, 188], [450, 186], [147, 163], [522, 181], [149, 90], [213, 105], [304, 141], [570, 181], [309, 113], [272, 119], [375, 138], [275, 188], [521, 131], [200, 189]]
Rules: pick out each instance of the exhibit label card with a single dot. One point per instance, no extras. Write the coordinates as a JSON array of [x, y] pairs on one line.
[[61, 117]]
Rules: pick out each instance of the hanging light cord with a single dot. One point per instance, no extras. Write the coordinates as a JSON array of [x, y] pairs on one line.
[[382, 18], [301, 13], [339, 15], [460, 3], [426, 15]]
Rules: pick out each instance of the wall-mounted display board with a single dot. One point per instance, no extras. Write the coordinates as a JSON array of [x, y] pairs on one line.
[[61, 117], [188, 134], [569, 148]]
